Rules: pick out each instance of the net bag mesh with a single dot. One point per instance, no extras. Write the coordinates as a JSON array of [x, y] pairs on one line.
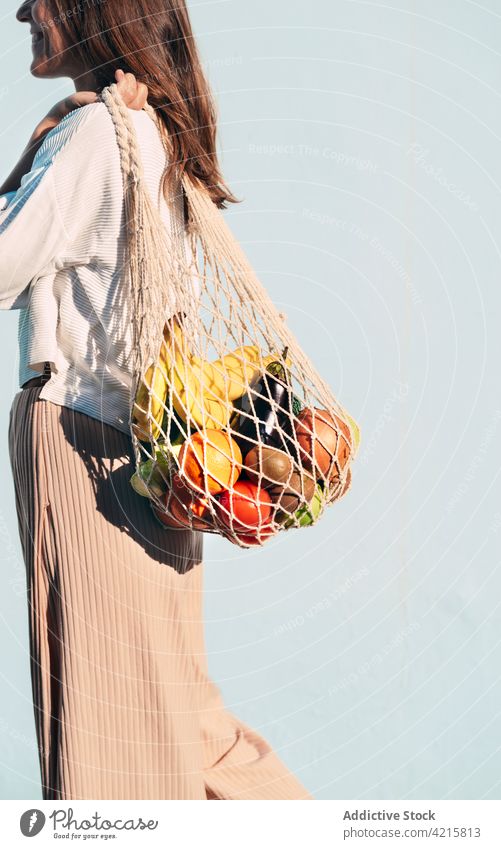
[[233, 430]]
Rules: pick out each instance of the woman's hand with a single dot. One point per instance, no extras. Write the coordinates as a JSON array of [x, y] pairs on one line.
[[134, 95]]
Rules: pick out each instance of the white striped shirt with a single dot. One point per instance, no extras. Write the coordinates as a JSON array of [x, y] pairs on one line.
[[62, 241]]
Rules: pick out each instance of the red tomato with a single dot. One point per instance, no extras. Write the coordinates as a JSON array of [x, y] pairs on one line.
[[247, 504]]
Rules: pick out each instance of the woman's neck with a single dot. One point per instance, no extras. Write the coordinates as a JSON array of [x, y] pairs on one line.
[[85, 82]]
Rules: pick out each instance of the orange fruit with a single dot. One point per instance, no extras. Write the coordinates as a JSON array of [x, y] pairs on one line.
[[210, 462]]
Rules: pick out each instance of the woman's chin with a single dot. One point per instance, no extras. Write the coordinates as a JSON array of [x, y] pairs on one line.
[[41, 66]]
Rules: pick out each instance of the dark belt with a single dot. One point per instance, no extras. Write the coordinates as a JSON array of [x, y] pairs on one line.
[[40, 379]]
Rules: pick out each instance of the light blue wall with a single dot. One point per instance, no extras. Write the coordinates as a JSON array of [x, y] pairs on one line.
[[365, 139]]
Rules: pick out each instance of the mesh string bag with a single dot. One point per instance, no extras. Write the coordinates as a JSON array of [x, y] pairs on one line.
[[233, 430]]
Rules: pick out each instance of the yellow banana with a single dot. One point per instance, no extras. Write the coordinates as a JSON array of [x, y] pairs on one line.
[[201, 390], [229, 377], [210, 378], [189, 396], [149, 404], [238, 370]]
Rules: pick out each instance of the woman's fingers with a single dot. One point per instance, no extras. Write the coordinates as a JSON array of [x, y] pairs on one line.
[[141, 96], [133, 93], [142, 93]]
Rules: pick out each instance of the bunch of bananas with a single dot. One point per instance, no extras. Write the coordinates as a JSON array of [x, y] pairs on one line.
[[202, 391]]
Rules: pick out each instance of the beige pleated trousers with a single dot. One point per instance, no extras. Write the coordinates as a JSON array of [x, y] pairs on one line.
[[124, 706]]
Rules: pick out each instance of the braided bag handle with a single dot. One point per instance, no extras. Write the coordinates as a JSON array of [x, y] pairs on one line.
[[154, 260]]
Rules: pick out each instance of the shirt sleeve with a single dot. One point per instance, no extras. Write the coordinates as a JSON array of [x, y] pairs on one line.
[[31, 232], [54, 203]]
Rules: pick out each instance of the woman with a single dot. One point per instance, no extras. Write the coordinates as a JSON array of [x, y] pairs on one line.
[[124, 706]]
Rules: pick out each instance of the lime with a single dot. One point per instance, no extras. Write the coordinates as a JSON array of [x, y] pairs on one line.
[[139, 486]]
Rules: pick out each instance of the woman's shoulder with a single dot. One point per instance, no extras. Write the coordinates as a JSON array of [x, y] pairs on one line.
[[87, 130], [88, 133]]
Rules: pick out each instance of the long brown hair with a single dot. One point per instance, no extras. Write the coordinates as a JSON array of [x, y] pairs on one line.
[[153, 39]]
